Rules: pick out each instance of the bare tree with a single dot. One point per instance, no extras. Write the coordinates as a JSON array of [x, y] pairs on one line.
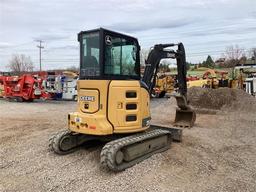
[[73, 68], [253, 53], [143, 56], [20, 63], [233, 55]]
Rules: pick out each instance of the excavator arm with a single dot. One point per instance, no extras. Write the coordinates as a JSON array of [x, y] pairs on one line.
[[162, 51], [185, 116]]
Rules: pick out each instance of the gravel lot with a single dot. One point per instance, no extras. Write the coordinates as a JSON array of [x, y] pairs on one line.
[[218, 154]]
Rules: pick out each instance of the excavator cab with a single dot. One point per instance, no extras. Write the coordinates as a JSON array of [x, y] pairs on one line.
[[110, 96], [108, 55]]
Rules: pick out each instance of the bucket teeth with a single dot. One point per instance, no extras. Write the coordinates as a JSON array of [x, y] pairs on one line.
[[185, 118]]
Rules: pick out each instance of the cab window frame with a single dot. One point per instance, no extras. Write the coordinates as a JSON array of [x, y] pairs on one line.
[[137, 65], [102, 34]]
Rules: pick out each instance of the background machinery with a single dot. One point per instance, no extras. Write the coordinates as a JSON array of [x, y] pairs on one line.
[[164, 84], [23, 88], [216, 78], [2, 79], [246, 78], [52, 84], [69, 88], [114, 102]]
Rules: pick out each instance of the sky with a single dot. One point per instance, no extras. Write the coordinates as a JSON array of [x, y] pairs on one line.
[[206, 27]]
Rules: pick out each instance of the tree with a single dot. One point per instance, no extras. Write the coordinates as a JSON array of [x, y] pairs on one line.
[[196, 66], [20, 63], [253, 53], [233, 55], [143, 56], [209, 62], [242, 60], [73, 68], [189, 65], [164, 67]]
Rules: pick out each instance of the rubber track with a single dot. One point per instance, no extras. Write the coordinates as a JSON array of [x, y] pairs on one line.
[[109, 150], [54, 144]]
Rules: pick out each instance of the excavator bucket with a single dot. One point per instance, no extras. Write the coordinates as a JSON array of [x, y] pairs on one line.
[[184, 118], [185, 115]]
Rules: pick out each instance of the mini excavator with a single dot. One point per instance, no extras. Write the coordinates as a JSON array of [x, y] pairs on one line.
[[114, 100]]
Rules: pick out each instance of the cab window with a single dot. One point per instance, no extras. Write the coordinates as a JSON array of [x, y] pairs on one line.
[[90, 65], [120, 57]]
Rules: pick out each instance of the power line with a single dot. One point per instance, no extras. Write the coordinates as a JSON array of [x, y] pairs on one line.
[[40, 48], [19, 45]]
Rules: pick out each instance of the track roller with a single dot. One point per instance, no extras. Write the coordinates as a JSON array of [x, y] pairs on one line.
[[123, 153]]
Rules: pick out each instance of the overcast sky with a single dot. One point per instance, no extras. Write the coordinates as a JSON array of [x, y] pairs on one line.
[[204, 26]]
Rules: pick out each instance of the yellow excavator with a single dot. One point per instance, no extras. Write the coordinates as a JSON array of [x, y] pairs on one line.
[[114, 100]]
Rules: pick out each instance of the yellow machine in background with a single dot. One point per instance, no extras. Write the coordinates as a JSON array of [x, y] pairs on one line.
[[2, 86], [1, 90], [211, 79], [114, 102], [164, 84], [70, 74], [199, 83], [216, 78]]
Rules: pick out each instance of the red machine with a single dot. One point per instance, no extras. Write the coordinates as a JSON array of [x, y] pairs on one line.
[[192, 78], [2, 79], [23, 88]]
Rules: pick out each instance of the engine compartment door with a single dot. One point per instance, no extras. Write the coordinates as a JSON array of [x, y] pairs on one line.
[[89, 100]]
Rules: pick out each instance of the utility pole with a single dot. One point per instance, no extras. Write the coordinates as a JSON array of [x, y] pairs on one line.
[[40, 48]]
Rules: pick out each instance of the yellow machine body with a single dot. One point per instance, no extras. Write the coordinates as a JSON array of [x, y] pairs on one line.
[[165, 83], [114, 100], [199, 83], [110, 106]]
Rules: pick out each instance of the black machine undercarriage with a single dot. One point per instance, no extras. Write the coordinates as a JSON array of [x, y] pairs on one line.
[[120, 151]]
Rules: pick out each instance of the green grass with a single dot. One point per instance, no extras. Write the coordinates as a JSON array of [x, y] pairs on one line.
[[195, 73], [199, 72]]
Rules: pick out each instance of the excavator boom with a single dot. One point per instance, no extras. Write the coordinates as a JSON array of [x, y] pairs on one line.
[[185, 116]]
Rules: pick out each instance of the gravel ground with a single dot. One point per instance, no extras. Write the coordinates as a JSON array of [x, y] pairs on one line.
[[218, 154]]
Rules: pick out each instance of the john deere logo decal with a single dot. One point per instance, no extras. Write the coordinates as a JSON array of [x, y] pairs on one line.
[[108, 40], [87, 98]]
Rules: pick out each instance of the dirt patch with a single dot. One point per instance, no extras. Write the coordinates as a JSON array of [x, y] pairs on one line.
[[218, 154], [222, 98]]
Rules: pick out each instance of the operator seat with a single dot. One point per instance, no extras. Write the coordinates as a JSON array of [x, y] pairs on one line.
[[91, 63]]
